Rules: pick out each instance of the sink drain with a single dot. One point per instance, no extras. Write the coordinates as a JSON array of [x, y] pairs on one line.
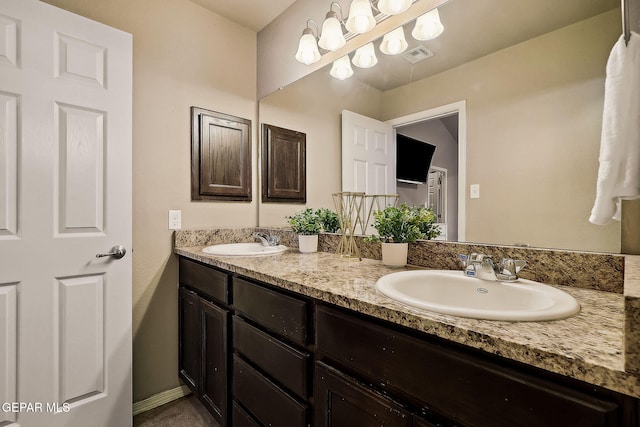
[[482, 290]]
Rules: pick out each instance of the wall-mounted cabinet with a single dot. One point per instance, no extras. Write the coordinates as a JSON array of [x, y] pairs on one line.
[[220, 156], [284, 169]]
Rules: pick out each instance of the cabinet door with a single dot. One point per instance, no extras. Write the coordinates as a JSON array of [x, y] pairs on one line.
[[342, 401], [214, 385], [189, 338]]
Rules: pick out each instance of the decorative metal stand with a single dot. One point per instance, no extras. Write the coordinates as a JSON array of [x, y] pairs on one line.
[[355, 211], [349, 206]]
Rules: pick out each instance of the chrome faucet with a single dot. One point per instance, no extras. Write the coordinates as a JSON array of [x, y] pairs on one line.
[[483, 267], [267, 239]]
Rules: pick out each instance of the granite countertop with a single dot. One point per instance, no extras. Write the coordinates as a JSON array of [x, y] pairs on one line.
[[587, 347]]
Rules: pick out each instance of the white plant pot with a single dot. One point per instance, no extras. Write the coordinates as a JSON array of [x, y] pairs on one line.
[[308, 243], [395, 254]]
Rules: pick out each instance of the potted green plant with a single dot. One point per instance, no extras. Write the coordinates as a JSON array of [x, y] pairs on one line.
[[399, 226], [307, 225], [329, 220]]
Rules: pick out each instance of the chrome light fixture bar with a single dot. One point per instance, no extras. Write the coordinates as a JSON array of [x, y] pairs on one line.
[[360, 20]]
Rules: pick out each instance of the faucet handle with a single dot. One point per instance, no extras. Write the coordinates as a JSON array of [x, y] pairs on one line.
[[512, 266], [464, 260], [273, 240]]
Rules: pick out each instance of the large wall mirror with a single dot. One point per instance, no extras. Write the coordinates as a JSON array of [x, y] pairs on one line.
[[531, 78]]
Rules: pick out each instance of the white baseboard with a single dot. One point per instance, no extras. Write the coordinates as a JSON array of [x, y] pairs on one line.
[[160, 399]]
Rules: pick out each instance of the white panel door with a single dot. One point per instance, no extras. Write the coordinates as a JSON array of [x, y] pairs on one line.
[[368, 155], [65, 196]]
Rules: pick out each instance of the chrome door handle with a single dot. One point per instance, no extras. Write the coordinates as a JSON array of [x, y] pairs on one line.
[[116, 252]]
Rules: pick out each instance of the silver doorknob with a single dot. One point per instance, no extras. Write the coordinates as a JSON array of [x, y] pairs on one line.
[[116, 252]]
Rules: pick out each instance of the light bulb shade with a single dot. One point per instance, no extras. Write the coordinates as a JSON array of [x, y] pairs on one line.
[[308, 52], [331, 37], [393, 7], [365, 57], [428, 26], [394, 43], [360, 18], [341, 68]]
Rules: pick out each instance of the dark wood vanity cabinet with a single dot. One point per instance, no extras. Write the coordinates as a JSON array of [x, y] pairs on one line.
[[449, 385], [203, 335], [260, 356]]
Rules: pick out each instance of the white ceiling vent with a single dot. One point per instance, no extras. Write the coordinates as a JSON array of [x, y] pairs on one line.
[[417, 54]]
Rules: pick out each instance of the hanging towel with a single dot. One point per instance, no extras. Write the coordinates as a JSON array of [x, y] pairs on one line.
[[619, 172]]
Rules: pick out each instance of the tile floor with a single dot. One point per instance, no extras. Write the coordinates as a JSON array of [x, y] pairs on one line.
[[184, 412]]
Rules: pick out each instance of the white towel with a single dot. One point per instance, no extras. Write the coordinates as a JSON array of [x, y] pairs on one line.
[[619, 173]]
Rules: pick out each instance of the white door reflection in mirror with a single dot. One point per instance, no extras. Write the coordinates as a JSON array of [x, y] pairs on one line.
[[368, 155]]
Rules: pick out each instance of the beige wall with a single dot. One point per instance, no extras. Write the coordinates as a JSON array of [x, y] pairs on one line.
[[183, 56], [313, 106], [534, 115]]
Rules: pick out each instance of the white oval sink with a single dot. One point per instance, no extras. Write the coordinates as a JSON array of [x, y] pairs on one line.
[[243, 249], [451, 292]]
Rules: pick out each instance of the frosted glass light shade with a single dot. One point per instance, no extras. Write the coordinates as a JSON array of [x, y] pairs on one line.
[[341, 68], [394, 42], [360, 18], [393, 7], [331, 37], [308, 52], [428, 26], [365, 57]]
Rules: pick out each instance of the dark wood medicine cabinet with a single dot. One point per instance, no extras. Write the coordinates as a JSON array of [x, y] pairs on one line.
[[220, 156], [284, 170]]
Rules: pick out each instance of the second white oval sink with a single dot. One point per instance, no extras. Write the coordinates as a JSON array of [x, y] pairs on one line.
[[451, 292], [243, 249]]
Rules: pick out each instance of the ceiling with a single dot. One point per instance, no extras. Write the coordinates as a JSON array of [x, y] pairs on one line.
[[473, 28], [252, 14]]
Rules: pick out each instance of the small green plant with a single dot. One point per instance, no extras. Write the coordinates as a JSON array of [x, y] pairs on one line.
[[306, 222], [404, 224], [329, 220]]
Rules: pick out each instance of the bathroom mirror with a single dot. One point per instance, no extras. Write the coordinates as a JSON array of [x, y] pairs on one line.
[[532, 77]]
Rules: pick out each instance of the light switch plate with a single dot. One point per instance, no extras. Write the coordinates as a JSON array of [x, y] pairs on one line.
[[175, 220], [474, 191]]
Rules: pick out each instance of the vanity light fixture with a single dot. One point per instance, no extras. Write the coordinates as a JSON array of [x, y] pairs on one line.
[[394, 7], [360, 18], [428, 26], [394, 43], [365, 56], [341, 68], [331, 37], [308, 52]]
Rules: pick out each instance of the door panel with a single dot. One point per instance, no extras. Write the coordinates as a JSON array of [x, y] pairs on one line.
[[65, 196], [368, 155], [80, 168], [9, 163], [8, 333]]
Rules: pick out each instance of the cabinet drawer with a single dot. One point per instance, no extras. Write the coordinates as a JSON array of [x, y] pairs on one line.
[[279, 313], [464, 388], [266, 401], [343, 401], [241, 418], [285, 364], [208, 281]]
